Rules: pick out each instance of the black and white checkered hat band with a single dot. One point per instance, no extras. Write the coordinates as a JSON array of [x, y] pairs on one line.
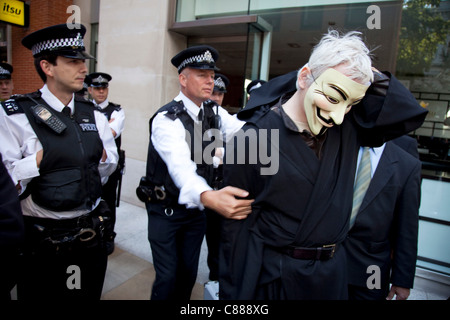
[[219, 83], [4, 71], [69, 43], [206, 57]]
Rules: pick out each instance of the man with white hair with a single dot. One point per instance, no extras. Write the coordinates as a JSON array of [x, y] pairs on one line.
[[289, 247]]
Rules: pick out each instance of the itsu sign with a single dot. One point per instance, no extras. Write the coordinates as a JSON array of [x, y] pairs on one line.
[[14, 12]]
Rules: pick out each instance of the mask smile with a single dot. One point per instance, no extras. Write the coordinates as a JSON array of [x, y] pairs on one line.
[[327, 122]]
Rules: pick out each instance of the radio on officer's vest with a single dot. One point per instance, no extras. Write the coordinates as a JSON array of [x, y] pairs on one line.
[[52, 121]]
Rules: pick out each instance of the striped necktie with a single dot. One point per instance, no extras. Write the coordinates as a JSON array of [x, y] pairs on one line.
[[362, 183]]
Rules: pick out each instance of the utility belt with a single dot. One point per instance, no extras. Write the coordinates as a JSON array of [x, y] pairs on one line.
[[61, 235], [147, 191], [325, 252]]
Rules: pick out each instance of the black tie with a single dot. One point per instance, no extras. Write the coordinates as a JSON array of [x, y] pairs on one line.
[[66, 111], [200, 115]]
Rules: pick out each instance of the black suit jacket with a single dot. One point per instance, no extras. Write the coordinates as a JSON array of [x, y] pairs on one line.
[[388, 219]]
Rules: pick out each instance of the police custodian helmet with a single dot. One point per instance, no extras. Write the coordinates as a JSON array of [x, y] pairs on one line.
[[58, 39], [197, 57]]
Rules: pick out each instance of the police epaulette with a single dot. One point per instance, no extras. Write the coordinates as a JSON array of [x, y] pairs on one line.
[[174, 110], [11, 107]]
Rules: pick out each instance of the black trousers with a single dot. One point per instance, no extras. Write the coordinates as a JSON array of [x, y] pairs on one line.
[[70, 270], [109, 194], [175, 241], [213, 229]]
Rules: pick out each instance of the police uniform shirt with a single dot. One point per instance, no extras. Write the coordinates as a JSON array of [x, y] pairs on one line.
[[20, 145], [168, 138], [119, 118]]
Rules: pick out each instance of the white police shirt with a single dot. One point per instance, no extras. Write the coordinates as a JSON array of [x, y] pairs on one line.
[[20, 144], [168, 138], [119, 118]]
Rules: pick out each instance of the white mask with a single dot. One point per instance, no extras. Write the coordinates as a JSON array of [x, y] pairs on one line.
[[329, 98]]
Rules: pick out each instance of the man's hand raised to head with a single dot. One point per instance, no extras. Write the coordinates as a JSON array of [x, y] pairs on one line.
[[224, 202]]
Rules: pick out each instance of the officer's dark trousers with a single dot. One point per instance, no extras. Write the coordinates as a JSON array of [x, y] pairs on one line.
[[66, 272], [213, 229], [109, 194], [175, 242]]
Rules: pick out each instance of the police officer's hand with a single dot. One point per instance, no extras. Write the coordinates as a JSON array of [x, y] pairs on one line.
[[224, 202]]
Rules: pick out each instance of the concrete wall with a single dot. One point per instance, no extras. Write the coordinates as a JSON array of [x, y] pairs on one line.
[[135, 48]]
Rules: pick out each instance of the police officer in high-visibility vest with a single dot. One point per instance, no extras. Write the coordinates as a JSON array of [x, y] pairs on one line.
[[98, 88], [179, 175], [58, 149]]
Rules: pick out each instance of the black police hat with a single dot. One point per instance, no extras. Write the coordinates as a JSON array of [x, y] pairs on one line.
[[58, 39], [98, 79], [255, 84], [5, 70], [197, 57], [220, 83]]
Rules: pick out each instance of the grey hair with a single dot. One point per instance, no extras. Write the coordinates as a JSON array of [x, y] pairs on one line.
[[335, 49]]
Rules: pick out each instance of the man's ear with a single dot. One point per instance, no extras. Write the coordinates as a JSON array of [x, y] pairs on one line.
[[303, 77], [46, 67], [183, 78]]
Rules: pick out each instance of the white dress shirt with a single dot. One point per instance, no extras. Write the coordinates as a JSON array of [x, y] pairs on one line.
[[20, 144], [119, 118], [168, 137]]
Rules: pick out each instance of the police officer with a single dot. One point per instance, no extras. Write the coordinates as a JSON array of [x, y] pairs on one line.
[[179, 173], [213, 219], [220, 88], [98, 83], [6, 83], [57, 150]]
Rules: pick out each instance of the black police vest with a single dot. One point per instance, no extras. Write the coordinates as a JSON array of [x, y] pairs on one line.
[[69, 178], [108, 112], [156, 168]]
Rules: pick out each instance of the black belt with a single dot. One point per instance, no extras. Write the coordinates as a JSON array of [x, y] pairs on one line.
[[81, 221], [325, 252], [58, 233]]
